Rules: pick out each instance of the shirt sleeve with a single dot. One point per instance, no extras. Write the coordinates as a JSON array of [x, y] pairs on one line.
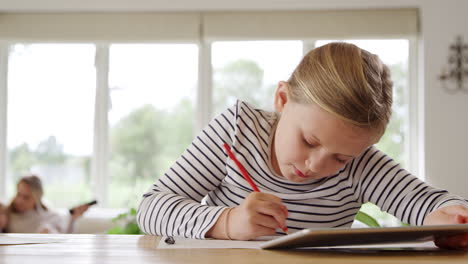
[[172, 206], [383, 182]]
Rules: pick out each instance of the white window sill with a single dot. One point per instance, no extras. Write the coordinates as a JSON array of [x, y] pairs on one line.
[[97, 212]]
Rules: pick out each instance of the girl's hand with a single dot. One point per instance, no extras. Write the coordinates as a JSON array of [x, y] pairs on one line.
[[455, 214], [259, 215]]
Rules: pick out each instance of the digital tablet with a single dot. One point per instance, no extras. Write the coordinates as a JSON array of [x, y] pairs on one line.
[[363, 236]]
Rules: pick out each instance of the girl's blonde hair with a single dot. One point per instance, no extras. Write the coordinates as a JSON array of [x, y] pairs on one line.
[[346, 81]]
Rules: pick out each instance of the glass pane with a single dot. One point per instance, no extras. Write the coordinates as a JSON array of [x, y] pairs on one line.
[[152, 89], [51, 90], [394, 53], [250, 71]]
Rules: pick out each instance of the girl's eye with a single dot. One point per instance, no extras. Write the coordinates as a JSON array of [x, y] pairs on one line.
[[340, 160], [307, 143]]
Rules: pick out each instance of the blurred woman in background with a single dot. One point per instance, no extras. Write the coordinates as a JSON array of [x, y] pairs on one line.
[[28, 214]]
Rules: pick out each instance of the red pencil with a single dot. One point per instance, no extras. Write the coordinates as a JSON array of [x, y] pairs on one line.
[[244, 172], [241, 168]]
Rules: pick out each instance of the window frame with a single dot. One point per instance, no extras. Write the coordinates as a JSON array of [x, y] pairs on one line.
[[4, 57], [100, 155]]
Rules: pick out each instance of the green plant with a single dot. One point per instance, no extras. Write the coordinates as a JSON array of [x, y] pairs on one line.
[[367, 219], [372, 216], [125, 224]]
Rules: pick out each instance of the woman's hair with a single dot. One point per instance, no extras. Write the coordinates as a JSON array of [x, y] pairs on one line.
[[3, 208], [35, 184], [346, 81], [3, 217]]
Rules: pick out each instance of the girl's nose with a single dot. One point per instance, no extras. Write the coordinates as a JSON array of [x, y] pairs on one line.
[[316, 162]]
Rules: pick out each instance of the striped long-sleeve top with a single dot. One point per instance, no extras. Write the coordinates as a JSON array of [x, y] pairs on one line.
[[188, 199]]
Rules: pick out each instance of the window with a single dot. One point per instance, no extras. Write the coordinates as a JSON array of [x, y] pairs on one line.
[[250, 71], [51, 89], [152, 91]]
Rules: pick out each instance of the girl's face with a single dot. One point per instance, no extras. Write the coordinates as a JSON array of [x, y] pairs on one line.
[[310, 143], [24, 199]]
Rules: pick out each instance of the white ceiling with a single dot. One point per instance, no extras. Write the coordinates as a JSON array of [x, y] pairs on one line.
[[192, 5]]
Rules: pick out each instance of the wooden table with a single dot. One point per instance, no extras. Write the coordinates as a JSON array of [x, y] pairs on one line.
[[104, 249]]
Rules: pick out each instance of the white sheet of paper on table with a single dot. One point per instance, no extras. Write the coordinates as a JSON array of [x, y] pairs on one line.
[[255, 244], [8, 240], [181, 242]]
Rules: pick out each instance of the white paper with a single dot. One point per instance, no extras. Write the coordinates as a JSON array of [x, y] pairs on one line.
[[255, 244], [9, 240], [181, 242]]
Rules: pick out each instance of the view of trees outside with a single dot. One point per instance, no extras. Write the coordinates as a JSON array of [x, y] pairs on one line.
[[144, 144], [66, 177], [250, 71], [50, 119], [151, 118], [394, 140]]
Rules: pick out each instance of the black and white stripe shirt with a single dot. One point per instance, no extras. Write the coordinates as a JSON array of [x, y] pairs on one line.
[[191, 195]]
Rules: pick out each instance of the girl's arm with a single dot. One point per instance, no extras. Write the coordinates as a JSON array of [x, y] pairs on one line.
[[383, 182], [452, 214], [173, 206]]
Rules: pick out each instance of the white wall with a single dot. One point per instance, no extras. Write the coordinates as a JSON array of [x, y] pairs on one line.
[[446, 115], [445, 134]]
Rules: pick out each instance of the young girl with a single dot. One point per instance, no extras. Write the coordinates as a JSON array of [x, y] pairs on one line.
[[313, 160]]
